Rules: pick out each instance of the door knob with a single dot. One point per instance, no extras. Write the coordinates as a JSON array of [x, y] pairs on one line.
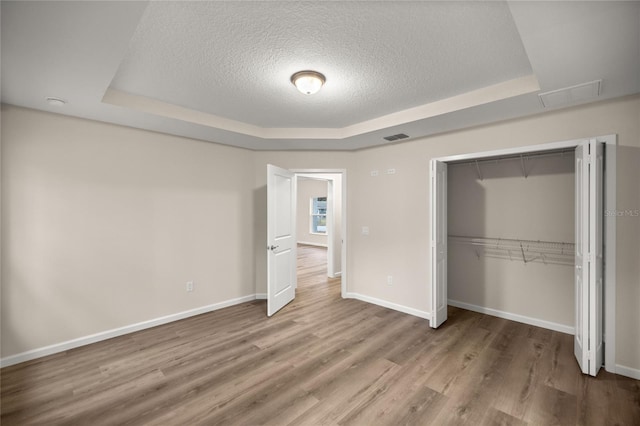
[[272, 247]]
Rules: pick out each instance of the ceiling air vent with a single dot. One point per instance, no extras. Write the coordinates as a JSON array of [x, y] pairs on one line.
[[571, 95], [396, 137]]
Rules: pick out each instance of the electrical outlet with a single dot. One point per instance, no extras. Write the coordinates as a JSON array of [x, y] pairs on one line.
[[374, 173], [189, 286], [389, 280]]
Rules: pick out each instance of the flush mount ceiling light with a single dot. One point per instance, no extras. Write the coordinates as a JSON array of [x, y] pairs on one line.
[[308, 82], [56, 101]]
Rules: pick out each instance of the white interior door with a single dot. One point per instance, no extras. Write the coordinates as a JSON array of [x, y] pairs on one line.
[[438, 243], [281, 238], [581, 338], [588, 347]]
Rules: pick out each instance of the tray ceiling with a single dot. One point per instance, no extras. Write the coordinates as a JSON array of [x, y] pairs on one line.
[[219, 71]]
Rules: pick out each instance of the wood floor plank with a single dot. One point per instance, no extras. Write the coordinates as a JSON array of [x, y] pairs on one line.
[[320, 360], [522, 377], [551, 406], [404, 396], [452, 367], [563, 373], [495, 417], [349, 389]]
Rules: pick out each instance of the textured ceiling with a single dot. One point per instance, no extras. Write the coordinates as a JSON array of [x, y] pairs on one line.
[[234, 59], [219, 71]]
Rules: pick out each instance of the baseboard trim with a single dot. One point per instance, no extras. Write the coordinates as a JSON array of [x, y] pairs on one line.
[[390, 305], [93, 338], [514, 317], [337, 275], [633, 373], [261, 296]]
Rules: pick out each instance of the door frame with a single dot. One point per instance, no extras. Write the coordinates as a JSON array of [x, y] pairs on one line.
[[343, 228], [609, 225], [329, 181]]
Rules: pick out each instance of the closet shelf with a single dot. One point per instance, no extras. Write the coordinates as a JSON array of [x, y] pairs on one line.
[[527, 251], [522, 158]]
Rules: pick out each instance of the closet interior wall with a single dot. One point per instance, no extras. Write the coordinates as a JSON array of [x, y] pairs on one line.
[[507, 205]]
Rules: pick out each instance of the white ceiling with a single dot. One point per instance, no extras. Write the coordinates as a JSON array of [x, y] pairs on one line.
[[219, 71]]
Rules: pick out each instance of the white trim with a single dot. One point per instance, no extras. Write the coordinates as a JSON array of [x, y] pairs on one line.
[[261, 296], [484, 95], [622, 370], [609, 230], [514, 317], [306, 243], [396, 307], [337, 275], [512, 151], [104, 335]]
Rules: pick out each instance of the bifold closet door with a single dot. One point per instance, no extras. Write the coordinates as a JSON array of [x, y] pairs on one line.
[[438, 243], [589, 170]]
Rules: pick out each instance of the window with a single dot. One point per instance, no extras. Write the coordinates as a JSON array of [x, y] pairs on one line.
[[319, 215]]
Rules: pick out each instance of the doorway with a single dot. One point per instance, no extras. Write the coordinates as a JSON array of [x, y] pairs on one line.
[[282, 229], [336, 219], [319, 216], [595, 193]]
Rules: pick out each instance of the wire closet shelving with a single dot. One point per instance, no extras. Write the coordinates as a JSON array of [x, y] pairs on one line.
[[527, 251]]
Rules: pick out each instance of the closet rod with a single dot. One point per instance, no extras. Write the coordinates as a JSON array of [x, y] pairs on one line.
[[560, 152], [531, 245]]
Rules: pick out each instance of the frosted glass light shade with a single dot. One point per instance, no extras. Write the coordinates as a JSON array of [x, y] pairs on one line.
[[308, 82]]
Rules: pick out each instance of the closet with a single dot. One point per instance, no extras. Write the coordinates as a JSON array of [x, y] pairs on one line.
[[511, 242], [505, 226]]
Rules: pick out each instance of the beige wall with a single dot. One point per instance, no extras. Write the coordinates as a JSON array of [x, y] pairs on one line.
[[505, 204], [307, 189], [102, 225], [399, 223]]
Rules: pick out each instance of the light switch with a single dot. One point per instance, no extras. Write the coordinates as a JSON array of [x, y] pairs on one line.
[[365, 230]]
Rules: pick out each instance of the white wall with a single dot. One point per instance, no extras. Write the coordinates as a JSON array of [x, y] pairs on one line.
[[307, 189], [102, 226], [505, 204]]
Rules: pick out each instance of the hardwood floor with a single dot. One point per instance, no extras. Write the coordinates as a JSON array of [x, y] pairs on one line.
[[321, 360]]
